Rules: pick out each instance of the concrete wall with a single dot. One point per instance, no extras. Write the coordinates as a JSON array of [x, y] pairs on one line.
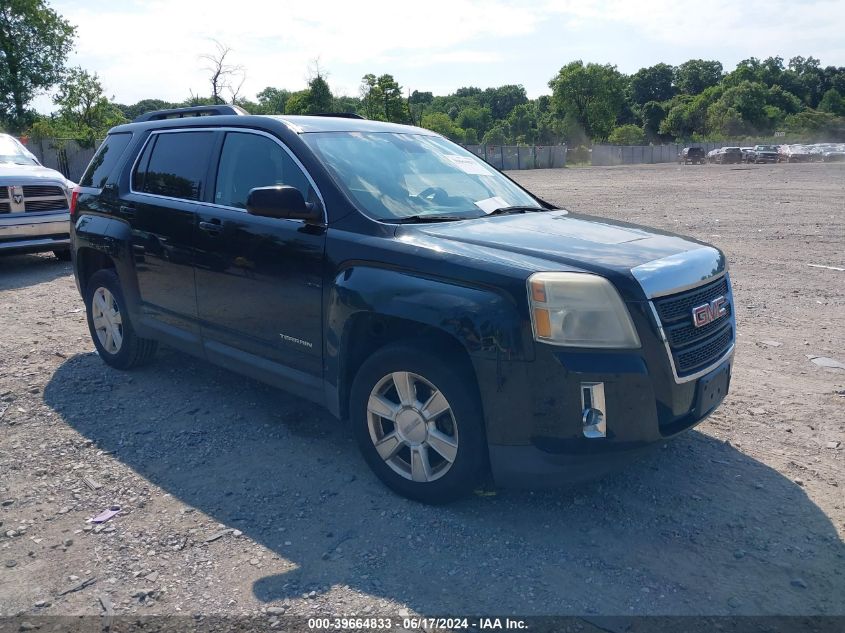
[[634, 154], [522, 156], [65, 156]]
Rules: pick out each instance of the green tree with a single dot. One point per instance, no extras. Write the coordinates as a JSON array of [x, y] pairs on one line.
[[653, 114], [693, 76], [497, 135], [297, 103], [442, 124], [783, 100], [34, 44], [272, 100], [593, 94], [381, 98], [319, 95], [652, 84], [627, 135], [145, 105], [522, 122], [502, 100], [477, 118], [746, 101], [84, 111], [832, 102]]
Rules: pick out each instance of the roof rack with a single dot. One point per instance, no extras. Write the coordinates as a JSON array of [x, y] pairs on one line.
[[340, 115], [178, 113]]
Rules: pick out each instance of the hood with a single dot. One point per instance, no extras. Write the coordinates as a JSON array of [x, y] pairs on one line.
[[12, 174], [557, 240]]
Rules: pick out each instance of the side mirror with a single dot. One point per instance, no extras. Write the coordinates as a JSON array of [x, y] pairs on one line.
[[281, 202]]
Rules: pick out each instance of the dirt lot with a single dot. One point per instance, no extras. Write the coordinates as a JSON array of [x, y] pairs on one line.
[[235, 497]]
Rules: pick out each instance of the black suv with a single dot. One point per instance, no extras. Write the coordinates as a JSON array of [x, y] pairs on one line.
[[459, 323], [693, 155]]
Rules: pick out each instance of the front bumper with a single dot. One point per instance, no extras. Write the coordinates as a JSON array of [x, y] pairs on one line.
[[534, 409], [34, 232], [638, 418]]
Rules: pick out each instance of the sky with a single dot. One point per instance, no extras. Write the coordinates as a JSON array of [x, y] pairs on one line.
[[153, 48]]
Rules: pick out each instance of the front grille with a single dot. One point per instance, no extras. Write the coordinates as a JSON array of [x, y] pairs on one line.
[[695, 348], [41, 191], [685, 333], [46, 205], [705, 353], [679, 306], [4, 193], [5, 207]]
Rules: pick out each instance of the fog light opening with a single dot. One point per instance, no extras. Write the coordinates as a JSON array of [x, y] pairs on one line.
[[593, 416]]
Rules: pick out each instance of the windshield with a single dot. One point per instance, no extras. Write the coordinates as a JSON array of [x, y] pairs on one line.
[[13, 152], [395, 176]]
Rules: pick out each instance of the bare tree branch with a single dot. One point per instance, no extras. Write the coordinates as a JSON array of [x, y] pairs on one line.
[[223, 76]]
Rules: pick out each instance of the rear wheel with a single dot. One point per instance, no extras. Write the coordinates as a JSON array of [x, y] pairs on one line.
[[110, 326], [417, 421]]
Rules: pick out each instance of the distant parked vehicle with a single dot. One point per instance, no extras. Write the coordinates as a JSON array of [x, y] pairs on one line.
[[34, 203], [729, 156], [747, 154], [691, 155], [711, 155], [794, 154], [764, 154], [833, 152]]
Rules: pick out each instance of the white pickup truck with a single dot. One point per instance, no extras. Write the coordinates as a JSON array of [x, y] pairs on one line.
[[34, 203]]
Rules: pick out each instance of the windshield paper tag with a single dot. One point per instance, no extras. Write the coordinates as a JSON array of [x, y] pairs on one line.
[[468, 165], [488, 205]]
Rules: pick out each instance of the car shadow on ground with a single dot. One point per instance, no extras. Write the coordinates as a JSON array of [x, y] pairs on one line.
[[19, 271], [697, 528]]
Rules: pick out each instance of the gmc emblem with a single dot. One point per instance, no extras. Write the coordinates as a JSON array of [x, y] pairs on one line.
[[709, 312]]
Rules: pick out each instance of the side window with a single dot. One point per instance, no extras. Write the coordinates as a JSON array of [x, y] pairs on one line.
[[104, 160], [175, 166], [250, 160]]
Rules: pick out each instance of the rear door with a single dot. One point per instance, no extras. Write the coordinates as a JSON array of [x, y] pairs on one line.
[[259, 279], [168, 179]]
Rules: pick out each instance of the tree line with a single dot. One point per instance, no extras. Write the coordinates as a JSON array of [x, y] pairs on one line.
[[588, 103]]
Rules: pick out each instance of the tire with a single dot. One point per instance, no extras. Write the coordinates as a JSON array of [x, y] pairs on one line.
[[411, 436], [62, 255], [107, 314]]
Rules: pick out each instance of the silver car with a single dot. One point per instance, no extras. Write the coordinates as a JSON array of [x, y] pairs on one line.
[[34, 203]]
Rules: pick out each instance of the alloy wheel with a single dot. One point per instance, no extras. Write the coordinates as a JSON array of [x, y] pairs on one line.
[[412, 426], [108, 323]]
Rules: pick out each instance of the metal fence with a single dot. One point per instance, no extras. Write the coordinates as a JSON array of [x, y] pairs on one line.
[[71, 159], [521, 156], [634, 154]]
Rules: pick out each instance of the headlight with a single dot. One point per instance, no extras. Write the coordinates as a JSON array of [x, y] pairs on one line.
[[579, 310]]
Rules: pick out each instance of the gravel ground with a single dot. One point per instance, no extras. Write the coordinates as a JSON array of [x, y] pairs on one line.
[[235, 498]]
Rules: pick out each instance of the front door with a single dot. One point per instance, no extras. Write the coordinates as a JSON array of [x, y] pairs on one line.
[[259, 280]]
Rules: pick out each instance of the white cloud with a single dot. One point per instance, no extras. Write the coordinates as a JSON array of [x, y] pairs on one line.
[[152, 48]]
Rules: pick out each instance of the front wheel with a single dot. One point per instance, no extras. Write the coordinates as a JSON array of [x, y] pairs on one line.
[[418, 423]]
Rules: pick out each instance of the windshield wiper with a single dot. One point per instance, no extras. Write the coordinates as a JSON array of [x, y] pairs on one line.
[[415, 219], [516, 209]]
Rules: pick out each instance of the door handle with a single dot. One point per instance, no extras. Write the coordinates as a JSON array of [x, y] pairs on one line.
[[214, 227], [127, 211]]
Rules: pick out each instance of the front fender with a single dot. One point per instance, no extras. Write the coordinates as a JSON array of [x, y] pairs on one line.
[[485, 321]]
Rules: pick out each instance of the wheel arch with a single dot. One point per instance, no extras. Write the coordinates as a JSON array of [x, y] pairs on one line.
[[370, 307]]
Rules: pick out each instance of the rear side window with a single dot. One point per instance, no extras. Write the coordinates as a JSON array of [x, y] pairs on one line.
[[175, 166], [104, 160]]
